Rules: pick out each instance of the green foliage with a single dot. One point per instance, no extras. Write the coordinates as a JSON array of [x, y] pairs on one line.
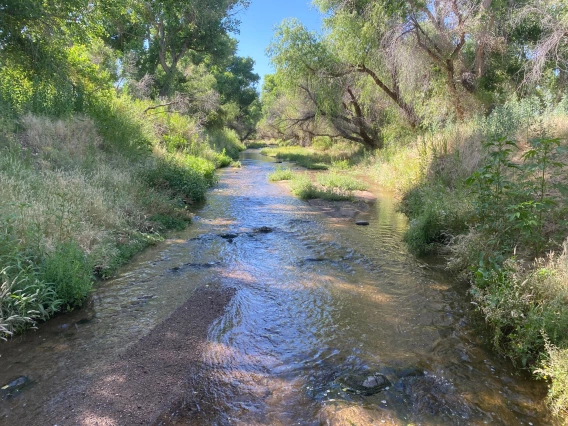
[[303, 157], [303, 187], [226, 141], [342, 182], [513, 200], [554, 368], [122, 125], [186, 177], [69, 272], [437, 214], [281, 174], [23, 300], [525, 308]]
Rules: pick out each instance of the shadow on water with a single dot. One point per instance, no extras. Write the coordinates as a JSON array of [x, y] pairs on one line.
[[329, 323]]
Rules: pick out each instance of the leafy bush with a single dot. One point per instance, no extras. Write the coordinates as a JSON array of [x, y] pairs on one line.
[[554, 368], [322, 143], [122, 125], [437, 215], [186, 177], [227, 141], [525, 307]]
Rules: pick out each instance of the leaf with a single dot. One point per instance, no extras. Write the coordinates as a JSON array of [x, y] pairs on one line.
[[562, 188]]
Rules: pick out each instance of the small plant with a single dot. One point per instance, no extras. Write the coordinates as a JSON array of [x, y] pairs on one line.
[[554, 368], [303, 187], [69, 273]]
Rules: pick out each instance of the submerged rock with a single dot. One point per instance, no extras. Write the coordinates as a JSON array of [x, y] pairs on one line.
[[362, 384], [15, 386], [263, 230], [228, 236], [362, 223]]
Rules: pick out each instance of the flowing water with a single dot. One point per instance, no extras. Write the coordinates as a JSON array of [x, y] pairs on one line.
[[331, 323]]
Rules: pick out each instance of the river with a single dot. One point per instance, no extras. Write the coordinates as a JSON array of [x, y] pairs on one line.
[[330, 323]]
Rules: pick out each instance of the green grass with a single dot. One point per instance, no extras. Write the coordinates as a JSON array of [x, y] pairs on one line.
[[256, 144], [341, 182], [281, 174], [312, 158], [303, 187], [81, 197]]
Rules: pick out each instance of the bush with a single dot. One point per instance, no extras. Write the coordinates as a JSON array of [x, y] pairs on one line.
[[227, 141], [525, 307], [436, 214], [186, 177], [123, 126], [554, 368], [69, 272]]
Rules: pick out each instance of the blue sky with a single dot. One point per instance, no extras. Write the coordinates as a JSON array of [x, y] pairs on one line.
[[258, 23]]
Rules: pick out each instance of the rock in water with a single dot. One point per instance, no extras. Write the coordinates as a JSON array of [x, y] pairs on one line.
[[374, 384], [263, 230], [362, 223], [228, 236], [15, 386], [363, 385]]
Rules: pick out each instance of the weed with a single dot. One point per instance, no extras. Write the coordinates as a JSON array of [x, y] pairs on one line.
[[69, 273], [303, 187]]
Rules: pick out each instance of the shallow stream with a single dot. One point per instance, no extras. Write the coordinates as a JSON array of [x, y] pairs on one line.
[[331, 323]]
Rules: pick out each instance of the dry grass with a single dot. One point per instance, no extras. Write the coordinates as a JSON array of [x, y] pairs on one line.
[[451, 154], [73, 191]]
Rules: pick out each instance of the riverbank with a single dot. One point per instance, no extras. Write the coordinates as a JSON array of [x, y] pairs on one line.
[[79, 200]]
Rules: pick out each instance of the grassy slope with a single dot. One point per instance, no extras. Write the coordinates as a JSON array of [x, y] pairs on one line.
[[81, 197]]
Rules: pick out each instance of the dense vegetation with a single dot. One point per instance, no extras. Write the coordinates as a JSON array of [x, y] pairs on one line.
[[114, 116], [462, 107]]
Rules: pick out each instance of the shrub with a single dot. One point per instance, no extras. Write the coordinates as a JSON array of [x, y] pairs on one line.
[[554, 368], [322, 143], [227, 141], [525, 306], [437, 214], [186, 177]]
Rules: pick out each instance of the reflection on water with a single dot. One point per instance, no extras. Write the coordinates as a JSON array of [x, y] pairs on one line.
[[321, 307]]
